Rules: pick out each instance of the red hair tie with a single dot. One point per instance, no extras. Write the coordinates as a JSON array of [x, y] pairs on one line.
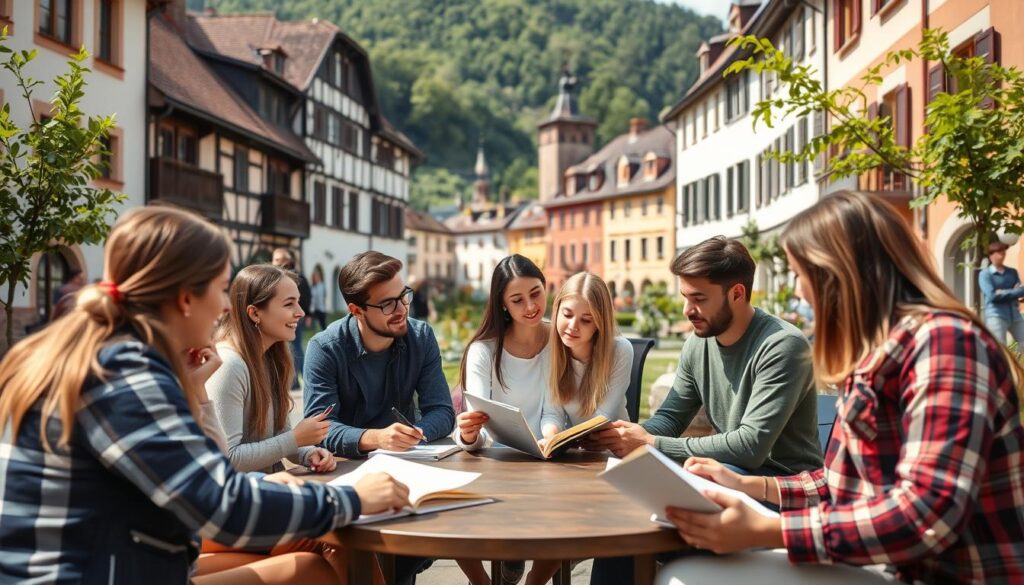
[[110, 287]]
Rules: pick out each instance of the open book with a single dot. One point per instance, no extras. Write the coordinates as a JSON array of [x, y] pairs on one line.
[[654, 481], [508, 426], [431, 489]]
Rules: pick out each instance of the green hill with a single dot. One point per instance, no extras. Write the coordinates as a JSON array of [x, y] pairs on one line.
[[454, 73]]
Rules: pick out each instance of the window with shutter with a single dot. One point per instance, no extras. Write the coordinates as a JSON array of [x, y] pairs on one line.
[[819, 130], [353, 211], [986, 46], [936, 81], [902, 126]]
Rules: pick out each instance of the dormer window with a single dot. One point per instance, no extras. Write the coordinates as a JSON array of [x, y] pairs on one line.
[[704, 56], [625, 171], [650, 166], [273, 59], [596, 180]]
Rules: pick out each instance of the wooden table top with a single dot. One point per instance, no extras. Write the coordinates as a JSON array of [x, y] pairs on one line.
[[556, 509]]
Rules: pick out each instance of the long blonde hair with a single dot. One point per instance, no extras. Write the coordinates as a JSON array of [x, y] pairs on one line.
[[866, 270], [152, 254], [270, 372], [593, 386]]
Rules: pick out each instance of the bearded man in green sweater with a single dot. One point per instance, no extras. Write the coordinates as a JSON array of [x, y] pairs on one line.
[[751, 371]]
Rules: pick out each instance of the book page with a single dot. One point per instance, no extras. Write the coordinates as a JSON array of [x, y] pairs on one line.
[[656, 482], [421, 479], [577, 432]]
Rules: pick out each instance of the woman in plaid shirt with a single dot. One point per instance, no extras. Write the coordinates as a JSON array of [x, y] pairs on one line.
[[106, 475], [923, 476]]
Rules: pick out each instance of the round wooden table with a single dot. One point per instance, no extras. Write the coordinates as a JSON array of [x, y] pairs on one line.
[[548, 510]]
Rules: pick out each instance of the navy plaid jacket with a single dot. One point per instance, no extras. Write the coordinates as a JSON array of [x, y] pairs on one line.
[[124, 501]]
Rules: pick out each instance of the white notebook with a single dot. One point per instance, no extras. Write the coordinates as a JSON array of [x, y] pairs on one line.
[[425, 452], [431, 489], [654, 481]]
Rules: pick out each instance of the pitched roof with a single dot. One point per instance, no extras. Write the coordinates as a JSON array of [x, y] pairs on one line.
[[532, 215], [424, 222], [305, 42], [488, 220], [183, 78], [762, 23], [240, 36], [658, 140]]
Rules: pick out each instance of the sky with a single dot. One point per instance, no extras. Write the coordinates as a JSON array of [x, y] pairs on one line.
[[719, 8]]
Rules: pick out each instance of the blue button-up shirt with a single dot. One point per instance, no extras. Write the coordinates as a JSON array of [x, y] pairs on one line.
[[1000, 290], [338, 369]]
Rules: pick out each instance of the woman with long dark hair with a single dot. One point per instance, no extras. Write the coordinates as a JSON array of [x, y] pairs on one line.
[[507, 360], [924, 473]]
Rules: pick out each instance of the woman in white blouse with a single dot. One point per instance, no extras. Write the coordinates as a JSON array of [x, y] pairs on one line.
[[508, 361]]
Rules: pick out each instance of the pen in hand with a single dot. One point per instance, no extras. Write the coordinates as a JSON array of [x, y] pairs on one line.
[[401, 418]]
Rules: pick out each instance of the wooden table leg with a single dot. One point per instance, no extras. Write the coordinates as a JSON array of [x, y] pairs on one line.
[[643, 569], [495, 572], [362, 567], [564, 574]]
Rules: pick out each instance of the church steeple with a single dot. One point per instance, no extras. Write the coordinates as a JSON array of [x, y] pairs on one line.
[[565, 139], [482, 185]]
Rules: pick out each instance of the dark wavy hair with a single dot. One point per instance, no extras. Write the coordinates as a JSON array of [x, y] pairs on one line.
[[496, 321]]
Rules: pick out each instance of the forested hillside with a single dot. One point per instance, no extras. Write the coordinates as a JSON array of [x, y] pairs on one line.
[[453, 73]]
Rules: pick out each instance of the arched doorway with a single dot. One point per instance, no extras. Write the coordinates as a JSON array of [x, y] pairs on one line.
[[646, 284], [52, 271], [612, 289], [956, 268]]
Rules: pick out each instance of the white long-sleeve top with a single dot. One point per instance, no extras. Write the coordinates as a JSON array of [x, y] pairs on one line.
[[526, 384], [230, 393], [614, 404]]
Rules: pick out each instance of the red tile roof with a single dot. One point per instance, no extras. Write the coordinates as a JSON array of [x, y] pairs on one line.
[[183, 78]]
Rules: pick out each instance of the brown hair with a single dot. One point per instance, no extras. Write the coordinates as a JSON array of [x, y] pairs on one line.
[[152, 254], [363, 272], [270, 372], [866, 270], [723, 261], [594, 385]]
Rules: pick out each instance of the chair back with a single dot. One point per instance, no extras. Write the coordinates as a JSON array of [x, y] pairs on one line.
[[641, 346], [826, 418]]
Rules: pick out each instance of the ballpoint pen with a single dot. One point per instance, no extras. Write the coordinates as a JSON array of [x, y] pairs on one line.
[[401, 418]]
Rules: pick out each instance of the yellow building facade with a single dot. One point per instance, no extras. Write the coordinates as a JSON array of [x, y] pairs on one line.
[[639, 241], [527, 236]]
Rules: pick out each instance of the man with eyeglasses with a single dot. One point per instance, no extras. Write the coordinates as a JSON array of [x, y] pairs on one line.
[[374, 360]]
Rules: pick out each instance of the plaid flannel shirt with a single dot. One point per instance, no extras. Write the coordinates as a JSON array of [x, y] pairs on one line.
[[138, 465], [923, 471]]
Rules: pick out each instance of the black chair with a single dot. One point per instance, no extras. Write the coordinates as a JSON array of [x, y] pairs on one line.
[[641, 347], [826, 418]]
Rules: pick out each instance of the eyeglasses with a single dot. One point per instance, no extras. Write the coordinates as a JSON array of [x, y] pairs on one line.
[[390, 305]]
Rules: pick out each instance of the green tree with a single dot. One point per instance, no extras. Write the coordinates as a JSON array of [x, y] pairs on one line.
[[45, 170], [972, 153]]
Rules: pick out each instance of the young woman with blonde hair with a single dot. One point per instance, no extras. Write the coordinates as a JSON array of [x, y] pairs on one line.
[[923, 474], [590, 367], [106, 474], [590, 361]]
